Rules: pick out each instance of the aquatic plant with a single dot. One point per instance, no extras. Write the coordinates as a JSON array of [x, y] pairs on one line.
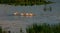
[[44, 28], [0, 29]]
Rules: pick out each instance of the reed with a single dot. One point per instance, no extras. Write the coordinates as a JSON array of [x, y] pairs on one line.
[[44, 28]]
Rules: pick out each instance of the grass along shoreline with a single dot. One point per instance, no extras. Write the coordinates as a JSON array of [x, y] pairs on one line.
[[25, 2], [41, 28]]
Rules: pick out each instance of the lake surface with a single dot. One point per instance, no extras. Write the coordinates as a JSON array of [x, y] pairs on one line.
[[14, 23]]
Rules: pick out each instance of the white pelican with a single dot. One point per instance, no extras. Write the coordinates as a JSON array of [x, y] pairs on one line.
[[22, 14], [30, 14], [27, 14], [16, 13]]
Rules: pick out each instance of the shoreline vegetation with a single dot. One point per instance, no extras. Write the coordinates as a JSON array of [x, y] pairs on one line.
[[41, 28], [25, 2]]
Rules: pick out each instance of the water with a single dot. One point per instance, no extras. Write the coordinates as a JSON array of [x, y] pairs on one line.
[[14, 23]]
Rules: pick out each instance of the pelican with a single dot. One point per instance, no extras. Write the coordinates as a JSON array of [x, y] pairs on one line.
[[27, 14], [22, 14], [30, 14], [16, 13]]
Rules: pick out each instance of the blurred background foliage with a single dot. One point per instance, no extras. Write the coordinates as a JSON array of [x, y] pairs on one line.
[[25, 2]]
